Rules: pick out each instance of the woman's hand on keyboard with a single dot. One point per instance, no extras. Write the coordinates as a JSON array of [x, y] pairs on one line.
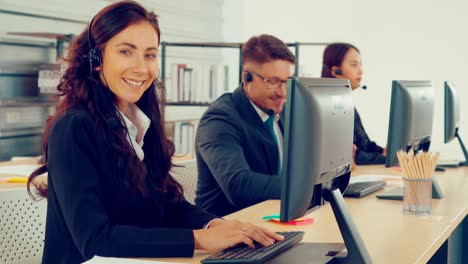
[[228, 233]]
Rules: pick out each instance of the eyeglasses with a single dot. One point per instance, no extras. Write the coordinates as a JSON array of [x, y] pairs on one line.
[[273, 83]]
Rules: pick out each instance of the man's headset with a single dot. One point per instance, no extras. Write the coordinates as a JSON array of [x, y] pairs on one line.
[[248, 77]]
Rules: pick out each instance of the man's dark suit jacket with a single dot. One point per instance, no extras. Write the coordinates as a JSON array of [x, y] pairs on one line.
[[236, 155], [368, 152], [90, 212]]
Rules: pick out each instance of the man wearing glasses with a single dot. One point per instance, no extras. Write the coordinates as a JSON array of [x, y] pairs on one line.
[[239, 139]]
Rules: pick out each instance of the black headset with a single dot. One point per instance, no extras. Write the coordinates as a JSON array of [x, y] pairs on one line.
[[340, 72], [248, 77], [337, 72], [94, 54]]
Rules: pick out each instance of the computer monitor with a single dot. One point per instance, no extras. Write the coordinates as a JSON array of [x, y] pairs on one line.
[[317, 149], [452, 118], [410, 126], [411, 117]]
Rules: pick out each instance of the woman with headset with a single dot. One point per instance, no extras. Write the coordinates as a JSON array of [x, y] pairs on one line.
[[343, 60], [110, 192]]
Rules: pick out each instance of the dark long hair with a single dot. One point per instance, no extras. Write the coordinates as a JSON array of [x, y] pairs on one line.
[[333, 56], [78, 88]]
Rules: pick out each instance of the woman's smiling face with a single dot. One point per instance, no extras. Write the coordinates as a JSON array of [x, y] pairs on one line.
[[130, 63]]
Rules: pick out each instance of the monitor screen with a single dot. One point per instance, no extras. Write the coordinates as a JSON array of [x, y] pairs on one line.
[[452, 112], [318, 141], [411, 118], [452, 119], [317, 149]]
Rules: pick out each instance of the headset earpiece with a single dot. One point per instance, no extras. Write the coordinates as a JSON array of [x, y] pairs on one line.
[[248, 77], [338, 72], [94, 54]]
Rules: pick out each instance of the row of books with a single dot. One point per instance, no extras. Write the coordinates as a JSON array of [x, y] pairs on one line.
[[49, 77], [201, 83], [182, 133]]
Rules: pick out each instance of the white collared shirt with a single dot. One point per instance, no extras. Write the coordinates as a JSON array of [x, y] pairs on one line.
[[137, 124], [279, 136]]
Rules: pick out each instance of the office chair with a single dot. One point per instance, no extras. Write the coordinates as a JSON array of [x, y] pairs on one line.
[[187, 176], [22, 226]]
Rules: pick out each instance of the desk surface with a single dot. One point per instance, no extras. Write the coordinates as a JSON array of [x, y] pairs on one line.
[[33, 161], [28, 161], [389, 235]]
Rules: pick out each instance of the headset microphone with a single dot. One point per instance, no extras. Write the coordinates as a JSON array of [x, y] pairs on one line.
[[364, 87]]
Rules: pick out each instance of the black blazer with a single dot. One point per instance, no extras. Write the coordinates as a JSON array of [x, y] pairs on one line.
[[368, 152], [236, 155], [90, 213]]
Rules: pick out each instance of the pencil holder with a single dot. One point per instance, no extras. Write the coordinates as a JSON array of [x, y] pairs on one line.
[[417, 198]]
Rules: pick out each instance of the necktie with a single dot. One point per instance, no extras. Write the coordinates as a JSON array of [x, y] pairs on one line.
[[270, 123]]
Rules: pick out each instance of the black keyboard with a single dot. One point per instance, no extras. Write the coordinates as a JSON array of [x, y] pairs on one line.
[[259, 254], [359, 189]]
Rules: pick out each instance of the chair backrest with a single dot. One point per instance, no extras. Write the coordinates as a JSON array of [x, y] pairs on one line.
[[187, 176], [22, 227]]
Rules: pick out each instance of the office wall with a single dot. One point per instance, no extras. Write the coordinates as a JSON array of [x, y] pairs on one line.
[[403, 40], [180, 20]]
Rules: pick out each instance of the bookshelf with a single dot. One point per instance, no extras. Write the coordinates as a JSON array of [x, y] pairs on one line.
[[61, 40], [182, 130], [205, 82], [165, 45]]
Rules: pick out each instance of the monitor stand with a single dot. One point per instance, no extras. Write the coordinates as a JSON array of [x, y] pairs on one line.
[[357, 251], [309, 253], [397, 193], [465, 153]]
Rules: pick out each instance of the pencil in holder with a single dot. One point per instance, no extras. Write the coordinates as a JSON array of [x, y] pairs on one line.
[[417, 178], [417, 196]]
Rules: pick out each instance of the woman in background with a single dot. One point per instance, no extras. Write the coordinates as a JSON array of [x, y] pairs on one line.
[[342, 60], [108, 159]]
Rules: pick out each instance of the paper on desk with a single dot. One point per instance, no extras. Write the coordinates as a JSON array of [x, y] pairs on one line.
[[103, 260], [19, 158], [18, 170], [390, 180], [449, 162]]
